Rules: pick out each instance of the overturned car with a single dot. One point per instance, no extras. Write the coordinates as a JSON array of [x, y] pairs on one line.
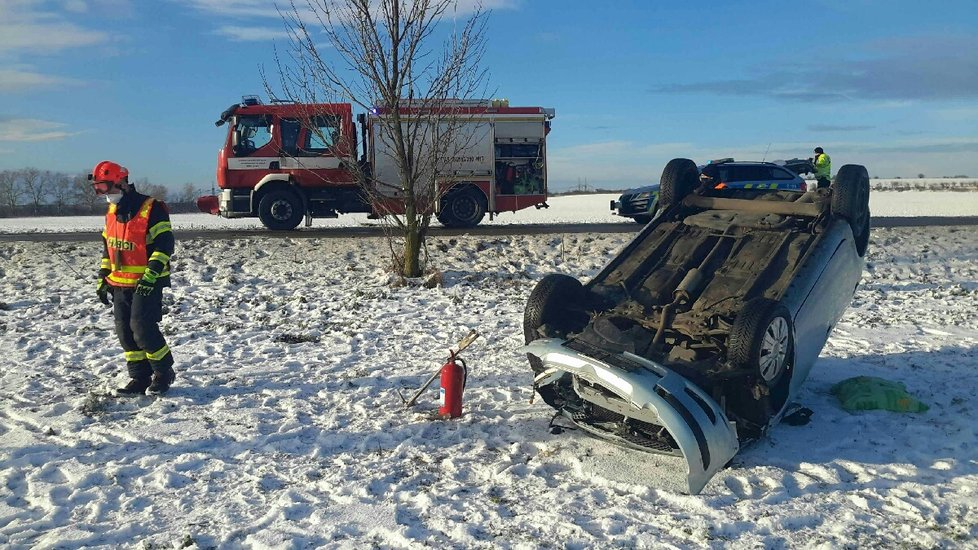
[[694, 339]]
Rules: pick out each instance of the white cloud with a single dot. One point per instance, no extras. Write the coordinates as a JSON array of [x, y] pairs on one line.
[[26, 27], [250, 34], [30, 129], [17, 80]]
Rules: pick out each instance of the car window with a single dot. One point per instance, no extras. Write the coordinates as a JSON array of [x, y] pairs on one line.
[[747, 173], [289, 128], [781, 174], [253, 132], [321, 135]]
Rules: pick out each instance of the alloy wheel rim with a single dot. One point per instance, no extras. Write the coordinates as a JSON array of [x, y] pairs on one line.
[[774, 349]]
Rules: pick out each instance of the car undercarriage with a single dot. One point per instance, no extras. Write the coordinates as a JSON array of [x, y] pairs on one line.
[[700, 318]]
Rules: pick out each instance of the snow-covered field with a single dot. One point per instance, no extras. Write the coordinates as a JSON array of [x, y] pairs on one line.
[[285, 429], [563, 209]]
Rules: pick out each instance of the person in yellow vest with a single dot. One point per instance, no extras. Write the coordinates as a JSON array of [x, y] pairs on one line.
[[134, 271], [823, 168]]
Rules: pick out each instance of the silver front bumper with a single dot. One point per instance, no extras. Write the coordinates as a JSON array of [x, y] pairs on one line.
[[651, 393]]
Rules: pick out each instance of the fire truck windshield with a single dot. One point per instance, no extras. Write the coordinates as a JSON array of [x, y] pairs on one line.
[[252, 132]]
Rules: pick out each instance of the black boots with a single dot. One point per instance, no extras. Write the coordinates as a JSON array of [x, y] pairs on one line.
[[143, 379], [161, 381], [136, 386], [139, 374]]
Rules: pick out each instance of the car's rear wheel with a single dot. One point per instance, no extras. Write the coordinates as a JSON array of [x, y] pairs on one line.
[[850, 200], [679, 178], [762, 341]]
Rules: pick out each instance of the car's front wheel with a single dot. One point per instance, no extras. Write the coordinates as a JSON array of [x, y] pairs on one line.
[[554, 309], [642, 219]]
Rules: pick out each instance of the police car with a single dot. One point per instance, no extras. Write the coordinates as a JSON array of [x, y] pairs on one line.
[[641, 203]]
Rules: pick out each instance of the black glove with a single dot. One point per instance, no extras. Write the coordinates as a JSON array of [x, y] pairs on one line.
[[146, 283], [103, 289]]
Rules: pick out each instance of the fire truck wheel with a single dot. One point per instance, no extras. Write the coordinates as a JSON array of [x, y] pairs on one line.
[[280, 210], [463, 208]]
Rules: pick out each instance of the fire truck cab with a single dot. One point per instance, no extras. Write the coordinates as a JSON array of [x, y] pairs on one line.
[[283, 162]]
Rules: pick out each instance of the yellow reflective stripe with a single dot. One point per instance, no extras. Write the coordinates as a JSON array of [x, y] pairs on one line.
[[137, 269], [155, 231], [147, 205], [112, 208], [105, 235], [158, 354], [122, 281], [135, 355], [159, 256], [749, 186], [105, 263]]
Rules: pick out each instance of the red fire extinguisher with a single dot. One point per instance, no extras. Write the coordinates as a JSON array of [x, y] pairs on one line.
[[453, 375]]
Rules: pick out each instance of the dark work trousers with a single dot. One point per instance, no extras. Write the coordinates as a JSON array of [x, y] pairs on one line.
[[137, 325], [823, 183]]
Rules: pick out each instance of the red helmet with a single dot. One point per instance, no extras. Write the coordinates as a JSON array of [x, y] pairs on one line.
[[108, 172]]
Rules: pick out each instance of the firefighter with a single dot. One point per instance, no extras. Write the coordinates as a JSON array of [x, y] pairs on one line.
[[134, 270], [823, 168]]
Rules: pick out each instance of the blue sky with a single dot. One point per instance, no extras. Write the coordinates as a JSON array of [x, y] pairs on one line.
[[889, 84]]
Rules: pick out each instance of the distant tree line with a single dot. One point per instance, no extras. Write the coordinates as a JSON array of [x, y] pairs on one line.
[[34, 192], [946, 184]]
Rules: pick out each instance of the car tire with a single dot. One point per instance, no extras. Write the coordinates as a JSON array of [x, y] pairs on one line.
[[556, 303], [679, 178], [280, 210], [463, 209], [642, 219], [850, 201], [762, 341]]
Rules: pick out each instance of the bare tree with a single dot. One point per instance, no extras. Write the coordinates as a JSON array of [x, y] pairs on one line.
[[188, 194], [83, 194], [35, 185], [154, 190], [61, 191], [10, 190], [390, 55]]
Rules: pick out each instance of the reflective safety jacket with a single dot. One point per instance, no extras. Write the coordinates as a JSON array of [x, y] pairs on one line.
[[823, 166], [134, 240]]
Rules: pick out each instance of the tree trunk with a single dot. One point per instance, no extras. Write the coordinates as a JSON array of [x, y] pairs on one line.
[[412, 241]]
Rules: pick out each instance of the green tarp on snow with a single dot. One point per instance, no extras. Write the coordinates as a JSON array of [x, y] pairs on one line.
[[864, 393]]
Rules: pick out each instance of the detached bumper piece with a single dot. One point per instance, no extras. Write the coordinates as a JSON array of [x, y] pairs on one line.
[[637, 403]]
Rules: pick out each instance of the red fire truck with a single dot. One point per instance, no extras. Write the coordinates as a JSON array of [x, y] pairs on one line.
[[283, 162]]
